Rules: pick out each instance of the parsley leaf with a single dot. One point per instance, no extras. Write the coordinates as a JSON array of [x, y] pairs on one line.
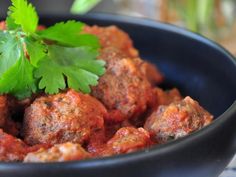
[[9, 51], [11, 24], [52, 79], [24, 14], [18, 80], [52, 59], [80, 79], [36, 50], [72, 63], [69, 34]]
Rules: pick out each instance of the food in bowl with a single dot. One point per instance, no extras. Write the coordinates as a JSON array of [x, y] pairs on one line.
[[125, 110]]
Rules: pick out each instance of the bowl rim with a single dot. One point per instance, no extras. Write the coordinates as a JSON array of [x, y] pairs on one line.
[[148, 152]]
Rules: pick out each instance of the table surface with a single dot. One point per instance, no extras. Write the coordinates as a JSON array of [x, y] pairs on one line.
[[230, 171]]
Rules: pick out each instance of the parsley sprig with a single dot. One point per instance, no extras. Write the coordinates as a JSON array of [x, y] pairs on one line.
[[51, 60]]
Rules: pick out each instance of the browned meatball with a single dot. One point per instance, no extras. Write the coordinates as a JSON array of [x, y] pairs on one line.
[[11, 148], [129, 139], [58, 153], [177, 120], [112, 54], [126, 139], [115, 37], [69, 116], [123, 89], [112, 36]]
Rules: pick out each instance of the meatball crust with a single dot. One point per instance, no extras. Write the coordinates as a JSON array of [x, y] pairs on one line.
[[58, 153], [115, 37], [123, 89], [150, 71], [177, 120], [69, 116]]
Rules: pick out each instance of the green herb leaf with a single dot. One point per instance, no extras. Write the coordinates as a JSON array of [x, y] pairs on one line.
[[24, 14], [52, 59], [52, 79], [35, 49], [10, 51], [72, 63], [80, 79], [11, 24], [18, 80], [69, 34]]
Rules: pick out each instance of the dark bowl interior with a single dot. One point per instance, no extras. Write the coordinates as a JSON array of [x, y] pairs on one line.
[[195, 65]]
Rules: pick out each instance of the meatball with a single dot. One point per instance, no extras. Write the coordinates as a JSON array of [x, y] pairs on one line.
[[69, 116], [58, 153], [123, 89], [167, 97], [129, 139], [126, 139], [11, 148], [115, 37], [177, 120]]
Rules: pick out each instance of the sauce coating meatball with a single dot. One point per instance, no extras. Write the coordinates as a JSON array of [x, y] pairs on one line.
[[125, 140], [4, 112], [177, 120], [123, 89], [73, 126], [167, 97], [69, 116], [129, 139], [115, 37], [58, 153], [152, 73], [11, 148], [7, 105]]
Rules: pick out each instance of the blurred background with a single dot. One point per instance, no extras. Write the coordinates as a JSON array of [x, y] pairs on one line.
[[215, 19]]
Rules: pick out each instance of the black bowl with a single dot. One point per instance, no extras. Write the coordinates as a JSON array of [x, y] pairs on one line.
[[199, 68]]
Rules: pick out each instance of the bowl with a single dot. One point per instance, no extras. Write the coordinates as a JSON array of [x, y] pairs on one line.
[[199, 68]]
